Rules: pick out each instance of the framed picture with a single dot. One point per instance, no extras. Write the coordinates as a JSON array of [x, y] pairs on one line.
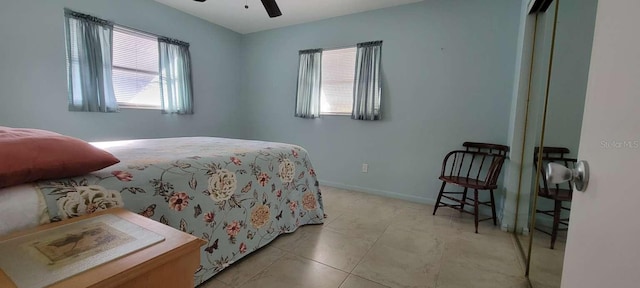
[[48, 256]]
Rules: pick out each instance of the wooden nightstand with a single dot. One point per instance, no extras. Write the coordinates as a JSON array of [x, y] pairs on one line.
[[170, 263]]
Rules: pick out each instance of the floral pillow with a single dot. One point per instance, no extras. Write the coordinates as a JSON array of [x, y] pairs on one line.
[[28, 155]]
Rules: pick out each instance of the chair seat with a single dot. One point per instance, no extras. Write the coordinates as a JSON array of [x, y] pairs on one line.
[[467, 182], [556, 194]]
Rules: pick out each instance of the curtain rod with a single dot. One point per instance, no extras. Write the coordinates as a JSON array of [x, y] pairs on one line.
[[116, 24], [345, 46], [341, 47]]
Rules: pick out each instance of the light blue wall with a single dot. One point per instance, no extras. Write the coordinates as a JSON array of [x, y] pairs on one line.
[[448, 73], [33, 90]]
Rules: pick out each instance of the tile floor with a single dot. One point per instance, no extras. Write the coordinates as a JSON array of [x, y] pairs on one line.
[[371, 241], [546, 264]]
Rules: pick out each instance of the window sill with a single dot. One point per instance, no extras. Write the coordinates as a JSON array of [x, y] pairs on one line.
[[142, 107], [335, 114]]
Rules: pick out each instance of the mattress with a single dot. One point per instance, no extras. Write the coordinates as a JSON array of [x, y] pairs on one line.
[[21, 207]]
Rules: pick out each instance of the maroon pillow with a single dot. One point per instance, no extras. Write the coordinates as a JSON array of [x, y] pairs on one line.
[[28, 155]]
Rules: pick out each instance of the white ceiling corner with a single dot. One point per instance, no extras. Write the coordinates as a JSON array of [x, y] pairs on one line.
[[232, 14]]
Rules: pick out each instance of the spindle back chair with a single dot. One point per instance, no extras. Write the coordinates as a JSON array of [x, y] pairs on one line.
[[477, 167]]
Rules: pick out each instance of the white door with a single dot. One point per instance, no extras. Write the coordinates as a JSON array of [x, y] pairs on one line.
[[603, 246]]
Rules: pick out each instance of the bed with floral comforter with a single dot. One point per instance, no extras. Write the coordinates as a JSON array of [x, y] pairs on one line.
[[238, 195]]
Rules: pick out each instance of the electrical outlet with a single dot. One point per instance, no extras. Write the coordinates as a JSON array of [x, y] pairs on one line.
[[365, 167]]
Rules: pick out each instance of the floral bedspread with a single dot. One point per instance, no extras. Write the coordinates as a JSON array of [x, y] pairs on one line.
[[238, 195]]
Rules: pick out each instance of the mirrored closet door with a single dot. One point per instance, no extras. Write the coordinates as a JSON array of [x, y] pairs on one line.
[[559, 75], [540, 25]]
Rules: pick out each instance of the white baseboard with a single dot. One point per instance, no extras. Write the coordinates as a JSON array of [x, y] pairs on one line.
[[411, 198]]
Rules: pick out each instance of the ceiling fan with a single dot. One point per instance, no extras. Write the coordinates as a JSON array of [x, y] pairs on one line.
[[270, 5]]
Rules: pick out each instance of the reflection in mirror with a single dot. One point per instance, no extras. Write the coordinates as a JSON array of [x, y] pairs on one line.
[[542, 28], [566, 86]]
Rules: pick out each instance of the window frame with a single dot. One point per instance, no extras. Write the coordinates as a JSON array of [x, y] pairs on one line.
[[141, 34], [321, 86]]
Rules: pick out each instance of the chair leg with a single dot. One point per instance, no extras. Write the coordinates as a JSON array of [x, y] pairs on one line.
[[557, 210], [464, 199], [475, 206], [439, 197], [493, 209]]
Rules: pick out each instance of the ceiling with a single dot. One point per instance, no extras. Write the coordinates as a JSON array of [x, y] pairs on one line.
[[233, 15]]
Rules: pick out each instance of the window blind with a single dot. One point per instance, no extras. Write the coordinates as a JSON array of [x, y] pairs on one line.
[[338, 75], [135, 68]]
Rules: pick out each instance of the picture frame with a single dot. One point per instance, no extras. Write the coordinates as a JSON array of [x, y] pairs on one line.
[[45, 257]]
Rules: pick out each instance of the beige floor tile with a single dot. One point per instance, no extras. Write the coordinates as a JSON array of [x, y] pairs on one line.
[[421, 220], [374, 210], [493, 256], [340, 199], [524, 240], [354, 281], [331, 213], [214, 283], [384, 243], [294, 271], [546, 265], [544, 240], [249, 266], [402, 204], [332, 248], [406, 262], [464, 227], [538, 284], [445, 211], [359, 225], [358, 203], [520, 253], [427, 245], [288, 242], [463, 275]]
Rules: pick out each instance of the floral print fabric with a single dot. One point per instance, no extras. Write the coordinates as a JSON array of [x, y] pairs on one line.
[[237, 195]]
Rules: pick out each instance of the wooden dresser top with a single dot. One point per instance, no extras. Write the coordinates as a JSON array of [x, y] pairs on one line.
[[123, 269]]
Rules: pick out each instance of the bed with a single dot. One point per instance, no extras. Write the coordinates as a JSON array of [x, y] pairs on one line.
[[238, 195]]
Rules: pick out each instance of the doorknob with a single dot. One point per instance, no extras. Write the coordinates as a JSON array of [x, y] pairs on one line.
[[557, 174]]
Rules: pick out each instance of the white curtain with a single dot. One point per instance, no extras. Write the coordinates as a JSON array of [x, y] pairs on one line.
[[175, 77], [309, 79], [89, 42], [367, 91]]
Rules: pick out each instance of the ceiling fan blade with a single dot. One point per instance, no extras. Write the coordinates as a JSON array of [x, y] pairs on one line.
[[272, 8]]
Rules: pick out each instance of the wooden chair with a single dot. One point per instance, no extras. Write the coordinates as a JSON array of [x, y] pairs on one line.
[[559, 193], [478, 168]]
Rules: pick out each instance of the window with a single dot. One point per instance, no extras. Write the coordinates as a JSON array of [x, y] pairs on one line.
[[338, 76], [136, 81], [111, 66]]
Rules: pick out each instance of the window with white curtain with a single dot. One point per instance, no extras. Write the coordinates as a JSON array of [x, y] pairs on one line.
[[136, 79], [338, 76]]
